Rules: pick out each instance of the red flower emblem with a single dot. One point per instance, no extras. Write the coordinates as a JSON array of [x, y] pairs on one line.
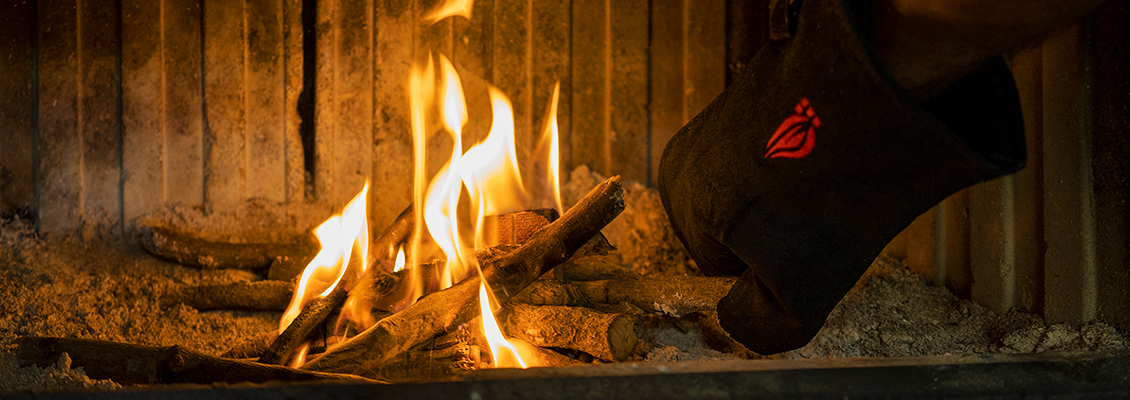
[[796, 136]]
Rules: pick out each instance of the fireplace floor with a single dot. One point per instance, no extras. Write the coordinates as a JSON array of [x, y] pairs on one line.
[[65, 287]]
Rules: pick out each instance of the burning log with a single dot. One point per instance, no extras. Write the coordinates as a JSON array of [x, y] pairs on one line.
[[670, 295], [260, 295], [137, 364], [610, 337], [187, 249], [442, 311], [300, 328]]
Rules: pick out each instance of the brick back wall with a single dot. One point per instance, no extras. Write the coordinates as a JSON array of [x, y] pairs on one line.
[[115, 109]]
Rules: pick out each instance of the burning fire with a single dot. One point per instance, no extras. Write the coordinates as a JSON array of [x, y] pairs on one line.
[[452, 206]]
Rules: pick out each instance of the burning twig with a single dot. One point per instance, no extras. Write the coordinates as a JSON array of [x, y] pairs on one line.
[[670, 295], [136, 364], [444, 310], [260, 295], [187, 249], [610, 337], [311, 316]]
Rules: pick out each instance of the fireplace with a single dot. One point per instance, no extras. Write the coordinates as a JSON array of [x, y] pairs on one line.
[[252, 122]]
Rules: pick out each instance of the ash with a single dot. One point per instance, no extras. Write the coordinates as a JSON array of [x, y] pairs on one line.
[[68, 286]]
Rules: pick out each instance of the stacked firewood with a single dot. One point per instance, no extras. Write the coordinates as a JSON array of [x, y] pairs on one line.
[[584, 311]]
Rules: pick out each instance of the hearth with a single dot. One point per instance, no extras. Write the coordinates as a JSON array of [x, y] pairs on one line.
[[167, 164]]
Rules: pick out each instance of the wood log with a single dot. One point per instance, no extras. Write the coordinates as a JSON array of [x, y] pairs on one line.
[[675, 296], [311, 316], [594, 268], [259, 295], [127, 363], [187, 249], [609, 337], [442, 311], [444, 358]]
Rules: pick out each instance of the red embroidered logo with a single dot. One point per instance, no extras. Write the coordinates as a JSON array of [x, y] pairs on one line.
[[796, 136]]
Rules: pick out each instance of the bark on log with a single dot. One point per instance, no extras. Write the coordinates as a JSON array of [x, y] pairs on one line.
[[187, 249], [609, 337], [675, 296], [300, 328], [126, 363], [594, 268], [260, 295], [442, 311], [442, 359]]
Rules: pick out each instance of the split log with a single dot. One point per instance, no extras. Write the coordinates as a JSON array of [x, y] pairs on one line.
[[675, 296], [137, 364], [609, 337], [442, 311], [187, 249], [260, 295], [312, 315]]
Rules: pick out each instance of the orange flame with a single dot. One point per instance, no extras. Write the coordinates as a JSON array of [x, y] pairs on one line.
[[340, 236], [550, 148], [450, 8], [497, 343]]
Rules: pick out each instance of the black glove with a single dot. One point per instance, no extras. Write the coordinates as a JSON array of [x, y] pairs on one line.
[[799, 174]]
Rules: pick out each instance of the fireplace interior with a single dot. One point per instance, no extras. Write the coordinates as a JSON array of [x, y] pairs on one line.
[[150, 146]]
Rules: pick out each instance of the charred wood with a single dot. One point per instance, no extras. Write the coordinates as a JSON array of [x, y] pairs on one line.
[[137, 364], [442, 311]]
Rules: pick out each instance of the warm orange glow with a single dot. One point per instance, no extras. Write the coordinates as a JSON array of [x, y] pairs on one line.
[[550, 148], [487, 173], [504, 353], [399, 261], [340, 236], [450, 8]]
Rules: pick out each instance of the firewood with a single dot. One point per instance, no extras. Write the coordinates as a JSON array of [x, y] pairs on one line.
[[444, 358], [127, 363], [444, 310], [669, 295], [610, 337], [187, 249], [594, 268], [287, 268], [312, 315], [260, 295]]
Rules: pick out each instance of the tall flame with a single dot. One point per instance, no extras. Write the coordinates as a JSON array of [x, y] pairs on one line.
[[497, 343], [550, 148], [340, 236]]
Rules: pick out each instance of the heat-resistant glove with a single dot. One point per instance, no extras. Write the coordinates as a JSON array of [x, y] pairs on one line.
[[798, 175]]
